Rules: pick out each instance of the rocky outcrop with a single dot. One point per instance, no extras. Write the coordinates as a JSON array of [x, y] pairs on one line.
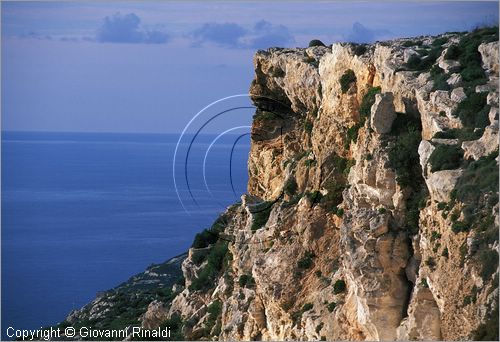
[[350, 248], [383, 113], [489, 55], [365, 217]]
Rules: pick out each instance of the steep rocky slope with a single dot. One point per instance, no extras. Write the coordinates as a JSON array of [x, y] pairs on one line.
[[372, 204]]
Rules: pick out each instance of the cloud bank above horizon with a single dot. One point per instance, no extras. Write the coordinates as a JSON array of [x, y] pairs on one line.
[[148, 66]]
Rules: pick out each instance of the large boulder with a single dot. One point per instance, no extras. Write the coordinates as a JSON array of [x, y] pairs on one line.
[[489, 55], [442, 183], [383, 113]]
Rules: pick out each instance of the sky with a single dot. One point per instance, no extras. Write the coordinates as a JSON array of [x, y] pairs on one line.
[[150, 67]]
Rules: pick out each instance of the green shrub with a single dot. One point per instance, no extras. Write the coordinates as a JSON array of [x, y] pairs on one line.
[[489, 263], [175, 324], [262, 115], [453, 52], [306, 261], [413, 62], [350, 163], [410, 43], [297, 316], [446, 157], [405, 160], [309, 162], [214, 311], [318, 273], [382, 210], [445, 252], [307, 307], [404, 157], [460, 226], [209, 236], [197, 258], [334, 196], [316, 42], [469, 57], [416, 63], [261, 215], [339, 286], [308, 126], [214, 265], [441, 205], [479, 177], [346, 79], [205, 239], [331, 306], [463, 250], [246, 280], [473, 111], [367, 102], [440, 82], [339, 212], [405, 124], [424, 284], [430, 263], [360, 49], [352, 134], [290, 187], [435, 236], [314, 197], [440, 41], [462, 134], [364, 113], [439, 78]]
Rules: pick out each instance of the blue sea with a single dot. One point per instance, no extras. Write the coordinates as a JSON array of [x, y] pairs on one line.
[[82, 212]]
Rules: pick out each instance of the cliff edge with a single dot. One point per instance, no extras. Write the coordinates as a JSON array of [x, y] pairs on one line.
[[372, 204]]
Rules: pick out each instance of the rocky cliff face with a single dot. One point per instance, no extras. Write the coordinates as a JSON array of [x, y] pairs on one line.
[[371, 210], [372, 204]]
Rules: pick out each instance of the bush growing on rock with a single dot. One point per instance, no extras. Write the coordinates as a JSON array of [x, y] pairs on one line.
[[246, 280], [261, 215], [473, 111], [316, 42], [405, 160], [346, 79], [306, 261], [307, 307], [213, 267], [367, 102], [360, 49], [262, 115], [446, 157], [331, 306], [290, 187], [308, 127], [339, 286], [462, 134]]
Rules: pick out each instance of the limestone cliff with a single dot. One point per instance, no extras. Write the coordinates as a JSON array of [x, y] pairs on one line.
[[372, 204], [368, 213]]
